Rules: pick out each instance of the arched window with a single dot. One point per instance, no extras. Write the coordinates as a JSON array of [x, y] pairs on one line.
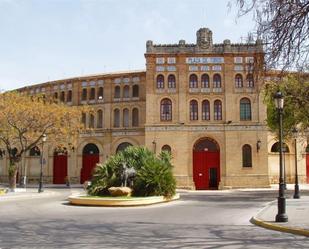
[[217, 80], [91, 149], [84, 94], [166, 110], [91, 121], [135, 91], [238, 81], [276, 147], [92, 93], [116, 118], [245, 109], [125, 116], [166, 148], [160, 81], [193, 110], [250, 80], [205, 81], [35, 151], [126, 92], [101, 93], [84, 119], [99, 119], [171, 81], [205, 110], [69, 96], [62, 96], [217, 110], [123, 146], [135, 121], [246, 156], [117, 92], [193, 83], [55, 95]]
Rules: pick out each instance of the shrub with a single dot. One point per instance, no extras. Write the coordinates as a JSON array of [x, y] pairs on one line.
[[154, 174]]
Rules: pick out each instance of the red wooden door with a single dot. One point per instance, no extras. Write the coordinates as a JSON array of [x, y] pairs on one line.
[[307, 162], [206, 169], [60, 169], [89, 163]]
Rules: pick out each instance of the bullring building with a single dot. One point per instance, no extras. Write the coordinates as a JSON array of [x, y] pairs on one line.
[[202, 102]]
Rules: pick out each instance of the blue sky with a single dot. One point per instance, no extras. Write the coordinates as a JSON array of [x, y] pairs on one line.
[[44, 40]]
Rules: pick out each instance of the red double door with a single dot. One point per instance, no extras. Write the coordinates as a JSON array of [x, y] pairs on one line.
[[60, 169], [206, 169], [307, 166], [89, 163]]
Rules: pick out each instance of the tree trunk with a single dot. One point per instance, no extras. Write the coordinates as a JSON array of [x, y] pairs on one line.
[[12, 176]]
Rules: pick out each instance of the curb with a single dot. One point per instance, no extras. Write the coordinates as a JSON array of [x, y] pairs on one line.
[[113, 202], [298, 231]]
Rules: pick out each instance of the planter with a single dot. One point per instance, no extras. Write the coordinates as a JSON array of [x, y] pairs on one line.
[[119, 201]]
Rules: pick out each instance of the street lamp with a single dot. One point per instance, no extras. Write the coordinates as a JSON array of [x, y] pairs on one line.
[[296, 189], [281, 216], [40, 190]]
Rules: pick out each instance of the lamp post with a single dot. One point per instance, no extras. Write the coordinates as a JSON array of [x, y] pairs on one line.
[[40, 190], [281, 216], [296, 188]]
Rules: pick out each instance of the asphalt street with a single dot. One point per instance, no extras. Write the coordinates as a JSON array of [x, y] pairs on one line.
[[211, 219]]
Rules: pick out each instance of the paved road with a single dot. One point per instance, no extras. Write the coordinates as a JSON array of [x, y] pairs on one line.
[[199, 220]]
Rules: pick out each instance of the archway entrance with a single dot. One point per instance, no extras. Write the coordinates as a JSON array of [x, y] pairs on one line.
[[90, 158], [123, 146], [60, 169], [206, 164]]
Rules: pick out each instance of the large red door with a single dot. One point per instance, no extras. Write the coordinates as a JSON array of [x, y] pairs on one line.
[[206, 169], [60, 169], [307, 162], [89, 163]]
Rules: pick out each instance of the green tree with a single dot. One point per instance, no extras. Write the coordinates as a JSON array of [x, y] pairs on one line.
[[295, 89]]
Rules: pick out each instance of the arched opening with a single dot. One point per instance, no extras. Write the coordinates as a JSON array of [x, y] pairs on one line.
[[123, 146], [35, 151], [126, 92], [91, 156], [193, 82], [171, 81], [245, 109], [206, 164], [238, 81], [276, 147], [69, 96], [246, 156], [60, 167], [166, 148], [117, 92], [135, 91], [125, 118], [135, 118], [84, 94], [99, 119], [160, 81], [205, 81]]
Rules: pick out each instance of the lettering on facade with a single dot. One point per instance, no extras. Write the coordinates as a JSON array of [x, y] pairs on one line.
[[204, 60]]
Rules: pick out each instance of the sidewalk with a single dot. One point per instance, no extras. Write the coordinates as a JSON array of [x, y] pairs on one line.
[[298, 216], [32, 191]]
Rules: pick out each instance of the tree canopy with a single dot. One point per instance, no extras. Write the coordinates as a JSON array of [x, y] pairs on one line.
[[295, 89], [284, 28], [25, 119]]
